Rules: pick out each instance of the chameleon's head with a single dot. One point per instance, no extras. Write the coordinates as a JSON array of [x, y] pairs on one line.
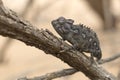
[[62, 26], [59, 21], [62, 21]]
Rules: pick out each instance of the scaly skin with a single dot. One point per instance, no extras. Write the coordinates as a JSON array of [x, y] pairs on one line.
[[81, 37]]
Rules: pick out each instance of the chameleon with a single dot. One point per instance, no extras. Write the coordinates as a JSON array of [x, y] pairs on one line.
[[81, 37]]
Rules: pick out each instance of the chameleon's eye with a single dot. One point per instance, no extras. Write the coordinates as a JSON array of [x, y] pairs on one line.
[[58, 26], [61, 20]]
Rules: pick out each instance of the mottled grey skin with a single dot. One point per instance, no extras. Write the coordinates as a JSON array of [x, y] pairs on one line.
[[81, 37]]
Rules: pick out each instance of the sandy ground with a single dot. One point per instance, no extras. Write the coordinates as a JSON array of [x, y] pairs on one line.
[[22, 60]]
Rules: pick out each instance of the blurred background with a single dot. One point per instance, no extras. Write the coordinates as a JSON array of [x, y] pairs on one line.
[[103, 16]]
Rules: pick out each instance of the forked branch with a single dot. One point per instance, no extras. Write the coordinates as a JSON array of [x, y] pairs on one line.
[[70, 71]]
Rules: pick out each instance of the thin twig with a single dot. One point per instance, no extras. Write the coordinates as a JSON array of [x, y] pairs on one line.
[[69, 71], [114, 57], [52, 75]]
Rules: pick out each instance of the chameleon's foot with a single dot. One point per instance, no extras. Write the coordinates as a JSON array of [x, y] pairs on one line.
[[93, 61], [64, 50]]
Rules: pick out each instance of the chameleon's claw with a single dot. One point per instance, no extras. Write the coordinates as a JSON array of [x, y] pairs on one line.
[[93, 61], [64, 50]]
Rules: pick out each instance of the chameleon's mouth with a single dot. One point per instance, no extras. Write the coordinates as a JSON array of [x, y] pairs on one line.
[[54, 22]]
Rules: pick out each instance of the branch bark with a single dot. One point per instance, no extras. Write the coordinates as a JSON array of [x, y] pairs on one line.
[[52, 75], [8, 41], [13, 26]]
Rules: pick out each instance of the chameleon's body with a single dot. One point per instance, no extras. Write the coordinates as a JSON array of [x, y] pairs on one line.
[[81, 37]]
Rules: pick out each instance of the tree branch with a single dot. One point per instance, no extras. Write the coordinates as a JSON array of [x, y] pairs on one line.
[[70, 70], [53, 75], [114, 57], [13, 26], [9, 40]]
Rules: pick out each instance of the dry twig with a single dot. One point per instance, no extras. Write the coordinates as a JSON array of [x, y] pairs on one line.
[[70, 71], [53, 75], [114, 57]]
